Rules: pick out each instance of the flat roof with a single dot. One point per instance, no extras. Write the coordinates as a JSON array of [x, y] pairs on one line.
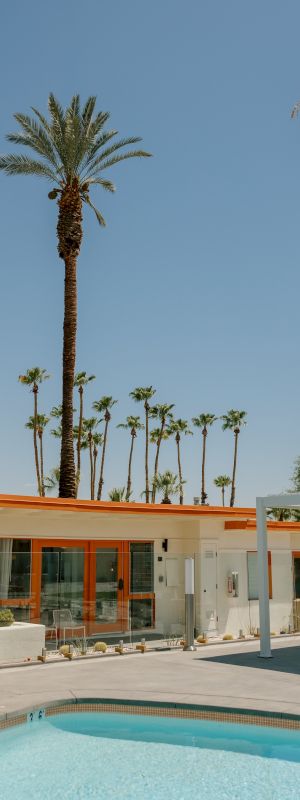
[[99, 506]]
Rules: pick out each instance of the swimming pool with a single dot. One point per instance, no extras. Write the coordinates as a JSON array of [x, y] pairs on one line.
[[92, 756]]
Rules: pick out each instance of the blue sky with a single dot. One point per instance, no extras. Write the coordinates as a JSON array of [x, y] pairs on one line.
[[194, 285]]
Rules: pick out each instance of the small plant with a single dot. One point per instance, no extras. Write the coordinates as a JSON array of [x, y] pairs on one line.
[[66, 650], [227, 637], [6, 618], [100, 647], [202, 639]]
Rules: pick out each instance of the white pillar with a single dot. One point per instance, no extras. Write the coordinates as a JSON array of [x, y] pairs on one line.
[[189, 604], [263, 579]]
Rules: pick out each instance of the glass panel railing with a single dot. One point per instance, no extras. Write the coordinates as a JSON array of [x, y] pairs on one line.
[[136, 593]]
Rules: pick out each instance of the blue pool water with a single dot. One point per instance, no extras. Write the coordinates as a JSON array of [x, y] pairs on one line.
[[104, 756]]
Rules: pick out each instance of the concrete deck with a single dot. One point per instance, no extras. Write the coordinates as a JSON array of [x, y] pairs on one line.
[[230, 675]]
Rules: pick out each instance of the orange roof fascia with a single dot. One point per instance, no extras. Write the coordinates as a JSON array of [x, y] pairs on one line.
[[250, 525], [67, 504]]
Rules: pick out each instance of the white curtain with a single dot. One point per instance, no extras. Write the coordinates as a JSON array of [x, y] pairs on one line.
[[5, 566]]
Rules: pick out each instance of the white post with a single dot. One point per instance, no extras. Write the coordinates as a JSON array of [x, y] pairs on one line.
[[263, 579], [189, 604]]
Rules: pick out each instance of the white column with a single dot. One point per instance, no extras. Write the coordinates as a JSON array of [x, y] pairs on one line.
[[263, 579], [189, 604]]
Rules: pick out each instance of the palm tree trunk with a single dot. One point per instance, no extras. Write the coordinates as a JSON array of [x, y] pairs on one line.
[[232, 498], [91, 465], [223, 495], [128, 490], [69, 233], [203, 492], [147, 452], [101, 479], [79, 438], [35, 446], [156, 462], [179, 469], [42, 464], [67, 482], [95, 453]]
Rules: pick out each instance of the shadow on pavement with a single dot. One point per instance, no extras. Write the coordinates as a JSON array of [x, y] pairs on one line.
[[285, 659]]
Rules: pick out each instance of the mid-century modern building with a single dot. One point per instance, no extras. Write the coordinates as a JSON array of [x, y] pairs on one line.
[[120, 566]]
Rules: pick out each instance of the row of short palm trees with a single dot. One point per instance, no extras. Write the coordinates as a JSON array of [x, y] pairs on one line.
[[88, 437]]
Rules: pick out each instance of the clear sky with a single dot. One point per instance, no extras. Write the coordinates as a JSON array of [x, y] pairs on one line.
[[194, 284]]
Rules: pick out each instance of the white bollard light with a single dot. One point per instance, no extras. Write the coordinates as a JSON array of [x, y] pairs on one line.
[[189, 604]]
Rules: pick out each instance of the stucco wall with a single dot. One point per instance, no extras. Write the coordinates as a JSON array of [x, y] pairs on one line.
[[185, 537]]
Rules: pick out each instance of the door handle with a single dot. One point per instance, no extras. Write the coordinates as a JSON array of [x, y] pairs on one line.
[[120, 583]]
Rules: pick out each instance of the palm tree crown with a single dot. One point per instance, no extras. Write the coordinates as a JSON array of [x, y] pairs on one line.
[[72, 148], [117, 495], [204, 420], [34, 376], [167, 484], [133, 424], [233, 419]]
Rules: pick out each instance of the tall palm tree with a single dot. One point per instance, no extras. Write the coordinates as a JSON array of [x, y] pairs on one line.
[[117, 495], [221, 482], [162, 412], [133, 424], [73, 151], [33, 378], [233, 421], [40, 423], [167, 484], [89, 431], [80, 381], [176, 428], [142, 394], [52, 481], [103, 406], [204, 421]]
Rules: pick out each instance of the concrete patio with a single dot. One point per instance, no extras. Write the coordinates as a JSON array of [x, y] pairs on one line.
[[231, 676]]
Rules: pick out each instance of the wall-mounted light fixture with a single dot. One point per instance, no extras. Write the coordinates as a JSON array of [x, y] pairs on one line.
[[165, 545]]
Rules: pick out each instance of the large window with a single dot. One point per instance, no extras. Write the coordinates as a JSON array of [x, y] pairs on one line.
[[15, 563], [141, 567], [252, 568]]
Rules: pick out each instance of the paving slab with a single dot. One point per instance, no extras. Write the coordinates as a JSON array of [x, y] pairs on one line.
[[231, 676]]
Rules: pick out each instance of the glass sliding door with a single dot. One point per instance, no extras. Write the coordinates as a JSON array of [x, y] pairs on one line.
[[141, 587], [62, 582], [106, 585]]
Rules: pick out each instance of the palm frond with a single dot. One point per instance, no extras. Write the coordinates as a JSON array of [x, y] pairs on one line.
[[22, 165], [99, 216], [94, 144], [36, 137], [110, 150], [108, 185]]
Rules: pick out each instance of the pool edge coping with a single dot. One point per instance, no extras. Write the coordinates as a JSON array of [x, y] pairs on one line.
[[216, 713]]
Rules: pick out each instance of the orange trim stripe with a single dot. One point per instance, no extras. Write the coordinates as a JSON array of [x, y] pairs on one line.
[[250, 525], [62, 504]]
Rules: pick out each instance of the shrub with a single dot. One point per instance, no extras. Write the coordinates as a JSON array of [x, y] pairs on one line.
[[100, 647], [64, 649], [227, 637], [202, 639], [6, 617]]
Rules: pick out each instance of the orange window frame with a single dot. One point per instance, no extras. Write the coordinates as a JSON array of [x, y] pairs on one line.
[[269, 572]]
